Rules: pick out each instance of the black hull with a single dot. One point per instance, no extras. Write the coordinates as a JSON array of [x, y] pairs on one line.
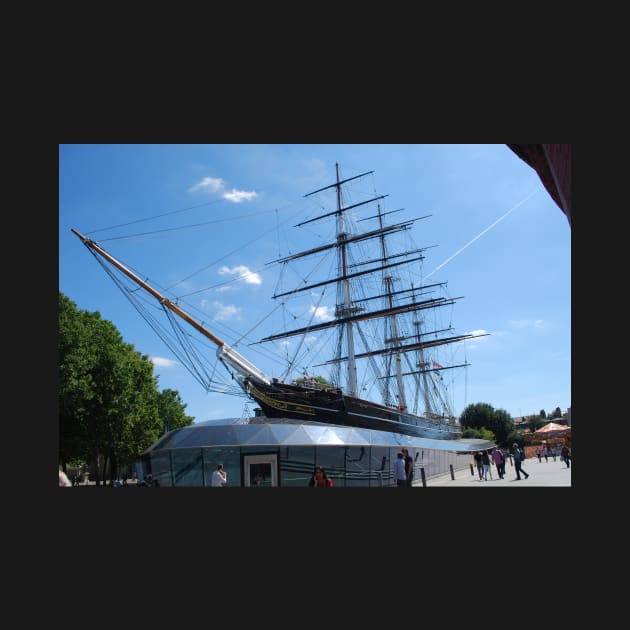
[[330, 406]]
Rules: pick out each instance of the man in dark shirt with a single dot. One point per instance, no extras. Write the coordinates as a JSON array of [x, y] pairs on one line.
[[408, 467], [518, 462]]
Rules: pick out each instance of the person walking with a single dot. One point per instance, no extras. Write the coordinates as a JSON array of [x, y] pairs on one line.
[[538, 455], [554, 452], [499, 461], [399, 470], [518, 462], [219, 477], [546, 453], [485, 460], [408, 467], [479, 463], [565, 454]]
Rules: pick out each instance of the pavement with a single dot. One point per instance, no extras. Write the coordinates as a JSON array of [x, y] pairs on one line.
[[541, 474]]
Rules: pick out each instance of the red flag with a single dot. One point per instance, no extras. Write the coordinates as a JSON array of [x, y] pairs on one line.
[[436, 365]]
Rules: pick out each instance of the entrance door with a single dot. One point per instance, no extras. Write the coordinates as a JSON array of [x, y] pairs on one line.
[[261, 470]]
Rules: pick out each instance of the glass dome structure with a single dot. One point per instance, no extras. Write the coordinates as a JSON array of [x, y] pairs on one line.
[[284, 454]]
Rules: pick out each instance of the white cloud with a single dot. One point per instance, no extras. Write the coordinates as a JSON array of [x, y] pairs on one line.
[[213, 185], [321, 313], [225, 311], [237, 196], [162, 362], [526, 323], [209, 184], [477, 339], [242, 272], [480, 331]]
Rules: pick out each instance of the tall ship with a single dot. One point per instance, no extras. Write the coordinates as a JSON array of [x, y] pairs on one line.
[[369, 353]]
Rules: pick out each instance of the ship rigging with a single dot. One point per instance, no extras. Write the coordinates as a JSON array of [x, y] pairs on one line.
[[378, 322]]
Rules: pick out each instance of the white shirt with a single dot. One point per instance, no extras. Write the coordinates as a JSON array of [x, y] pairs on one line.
[[399, 469], [218, 479]]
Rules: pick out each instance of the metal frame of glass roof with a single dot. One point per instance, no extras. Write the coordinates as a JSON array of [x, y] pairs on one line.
[[213, 434]]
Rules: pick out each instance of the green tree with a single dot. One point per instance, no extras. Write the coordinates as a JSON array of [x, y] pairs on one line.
[[109, 403], [476, 415], [533, 423], [513, 436], [503, 426], [481, 416], [318, 379], [75, 382], [132, 422], [171, 410], [481, 434]]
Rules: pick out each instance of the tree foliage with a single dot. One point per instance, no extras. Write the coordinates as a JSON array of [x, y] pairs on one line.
[[534, 422], [479, 417], [318, 379], [480, 434], [171, 410], [110, 407], [483, 416]]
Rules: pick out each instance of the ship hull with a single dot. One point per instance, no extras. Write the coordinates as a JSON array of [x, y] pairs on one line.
[[330, 406]]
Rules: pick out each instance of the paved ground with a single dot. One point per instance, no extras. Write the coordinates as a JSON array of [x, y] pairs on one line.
[[541, 474]]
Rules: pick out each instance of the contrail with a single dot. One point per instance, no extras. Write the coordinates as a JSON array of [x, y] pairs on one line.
[[459, 251]]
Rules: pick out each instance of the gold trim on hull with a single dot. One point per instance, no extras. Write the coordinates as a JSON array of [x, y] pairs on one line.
[[306, 410]]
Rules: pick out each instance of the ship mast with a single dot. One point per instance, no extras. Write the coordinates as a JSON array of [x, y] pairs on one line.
[[421, 363], [395, 339], [345, 310], [227, 355], [347, 296]]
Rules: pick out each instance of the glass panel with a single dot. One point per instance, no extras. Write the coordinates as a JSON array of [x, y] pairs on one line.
[[161, 468], [259, 450], [357, 466], [231, 460], [381, 473], [296, 465], [332, 460], [187, 467]]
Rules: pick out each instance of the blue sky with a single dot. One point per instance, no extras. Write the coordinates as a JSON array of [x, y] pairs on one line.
[[493, 233]]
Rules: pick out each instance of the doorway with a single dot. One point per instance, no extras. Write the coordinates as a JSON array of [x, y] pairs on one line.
[[260, 470]]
